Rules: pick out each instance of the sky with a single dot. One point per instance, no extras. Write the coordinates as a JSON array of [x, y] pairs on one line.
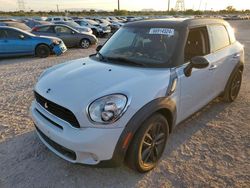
[[11, 5]]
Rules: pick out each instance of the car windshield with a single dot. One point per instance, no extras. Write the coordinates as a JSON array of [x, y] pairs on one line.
[[140, 46], [72, 24], [19, 25], [104, 21], [92, 22]]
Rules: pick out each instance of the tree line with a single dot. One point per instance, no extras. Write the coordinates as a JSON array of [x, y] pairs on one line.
[[228, 10]]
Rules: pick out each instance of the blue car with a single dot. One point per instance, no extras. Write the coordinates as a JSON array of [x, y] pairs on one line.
[[16, 42]]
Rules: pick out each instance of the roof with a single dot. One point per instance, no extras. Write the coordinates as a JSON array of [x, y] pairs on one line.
[[175, 22]]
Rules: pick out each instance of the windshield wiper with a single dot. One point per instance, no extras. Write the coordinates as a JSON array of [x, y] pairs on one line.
[[101, 57], [124, 60]]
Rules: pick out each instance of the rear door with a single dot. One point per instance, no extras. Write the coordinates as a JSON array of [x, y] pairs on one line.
[[196, 90], [224, 54]]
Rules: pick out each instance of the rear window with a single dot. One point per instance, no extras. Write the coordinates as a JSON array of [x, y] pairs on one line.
[[19, 25], [220, 38], [45, 29]]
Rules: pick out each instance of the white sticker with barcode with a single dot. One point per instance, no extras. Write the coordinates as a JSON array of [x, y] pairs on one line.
[[162, 31]]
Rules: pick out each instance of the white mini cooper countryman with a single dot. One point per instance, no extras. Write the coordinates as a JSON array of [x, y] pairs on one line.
[[122, 103]]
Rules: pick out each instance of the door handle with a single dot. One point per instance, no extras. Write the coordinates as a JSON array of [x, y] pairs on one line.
[[236, 56], [212, 67]]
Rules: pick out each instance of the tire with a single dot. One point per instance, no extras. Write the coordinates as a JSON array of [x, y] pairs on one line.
[[85, 43], [95, 32], [145, 151], [233, 87], [42, 51]]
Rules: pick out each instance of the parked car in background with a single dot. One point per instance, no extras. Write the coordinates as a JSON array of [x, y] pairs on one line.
[[69, 35], [98, 29], [76, 26], [113, 25], [32, 23], [16, 24], [58, 18], [15, 42]]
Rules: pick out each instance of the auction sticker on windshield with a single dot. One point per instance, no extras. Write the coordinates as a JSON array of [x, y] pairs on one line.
[[162, 31]]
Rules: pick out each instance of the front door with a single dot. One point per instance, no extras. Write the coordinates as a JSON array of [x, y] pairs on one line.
[[17, 43], [196, 90]]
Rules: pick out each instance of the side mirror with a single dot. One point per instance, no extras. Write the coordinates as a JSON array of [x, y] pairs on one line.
[[98, 48], [21, 37], [73, 32], [197, 62]]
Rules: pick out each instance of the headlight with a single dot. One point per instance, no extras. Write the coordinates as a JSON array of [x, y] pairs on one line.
[[107, 109], [56, 42]]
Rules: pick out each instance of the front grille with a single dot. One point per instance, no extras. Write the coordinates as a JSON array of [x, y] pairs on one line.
[[57, 110], [49, 120], [64, 151]]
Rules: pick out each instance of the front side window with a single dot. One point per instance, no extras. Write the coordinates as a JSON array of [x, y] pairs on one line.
[[62, 29], [147, 46], [197, 43], [11, 34], [220, 38]]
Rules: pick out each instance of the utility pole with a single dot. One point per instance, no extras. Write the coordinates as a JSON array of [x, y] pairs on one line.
[[168, 5], [21, 5], [57, 7], [200, 5], [118, 5], [180, 5]]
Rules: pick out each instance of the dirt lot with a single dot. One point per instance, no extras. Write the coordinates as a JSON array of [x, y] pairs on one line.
[[210, 149]]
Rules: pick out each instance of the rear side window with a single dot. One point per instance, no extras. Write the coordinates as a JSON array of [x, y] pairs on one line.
[[220, 38]]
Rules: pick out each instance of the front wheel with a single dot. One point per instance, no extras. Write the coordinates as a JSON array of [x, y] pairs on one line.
[[148, 144], [85, 43], [42, 51], [233, 88]]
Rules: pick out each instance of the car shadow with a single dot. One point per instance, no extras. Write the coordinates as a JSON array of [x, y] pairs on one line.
[[26, 162]]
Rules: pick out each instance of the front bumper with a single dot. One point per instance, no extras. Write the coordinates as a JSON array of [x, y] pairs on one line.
[[59, 49], [77, 145]]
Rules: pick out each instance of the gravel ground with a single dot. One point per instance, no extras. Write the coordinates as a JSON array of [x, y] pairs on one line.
[[210, 149]]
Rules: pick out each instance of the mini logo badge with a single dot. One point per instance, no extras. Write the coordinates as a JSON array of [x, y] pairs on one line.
[[46, 105]]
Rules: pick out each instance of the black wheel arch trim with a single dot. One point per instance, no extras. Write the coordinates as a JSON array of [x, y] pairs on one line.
[[43, 44], [163, 105], [239, 65]]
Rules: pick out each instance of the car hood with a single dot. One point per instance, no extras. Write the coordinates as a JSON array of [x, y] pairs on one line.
[[77, 83], [47, 37]]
